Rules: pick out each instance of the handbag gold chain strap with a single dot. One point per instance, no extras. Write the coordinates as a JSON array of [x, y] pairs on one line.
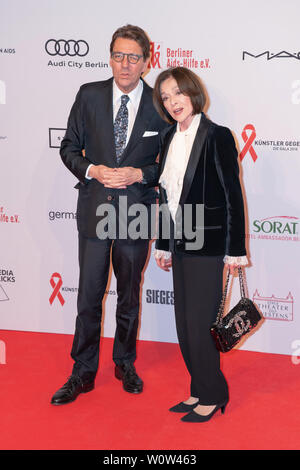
[[222, 304]]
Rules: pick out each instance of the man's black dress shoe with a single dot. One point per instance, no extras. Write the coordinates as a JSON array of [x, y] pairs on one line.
[[131, 381], [70, 390]]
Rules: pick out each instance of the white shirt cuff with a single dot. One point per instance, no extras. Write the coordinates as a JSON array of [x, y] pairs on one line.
[[238, 260], [162, 253], [87, 172]]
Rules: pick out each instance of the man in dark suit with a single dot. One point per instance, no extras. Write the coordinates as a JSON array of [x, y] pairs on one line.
[[111, 146]]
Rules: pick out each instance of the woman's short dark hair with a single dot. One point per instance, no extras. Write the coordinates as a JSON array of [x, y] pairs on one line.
[[188, 83], [135, 34]]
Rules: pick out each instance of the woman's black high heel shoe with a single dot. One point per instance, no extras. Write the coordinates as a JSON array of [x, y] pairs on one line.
[[194, 417], [183, 407]]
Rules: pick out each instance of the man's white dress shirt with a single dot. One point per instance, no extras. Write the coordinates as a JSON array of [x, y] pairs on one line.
[[132, 106]]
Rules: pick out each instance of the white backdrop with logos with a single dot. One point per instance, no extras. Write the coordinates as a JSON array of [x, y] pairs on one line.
[[249, 62]]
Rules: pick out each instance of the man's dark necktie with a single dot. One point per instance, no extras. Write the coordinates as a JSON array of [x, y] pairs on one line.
[[121, 126]]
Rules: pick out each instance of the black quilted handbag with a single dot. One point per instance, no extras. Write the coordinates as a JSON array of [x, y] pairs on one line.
[[228, 330]]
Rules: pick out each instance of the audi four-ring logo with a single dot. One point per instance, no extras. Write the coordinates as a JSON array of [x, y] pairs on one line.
[[63, 48]]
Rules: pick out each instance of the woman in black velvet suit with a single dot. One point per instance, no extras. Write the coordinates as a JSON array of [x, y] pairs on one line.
[[198, 171]]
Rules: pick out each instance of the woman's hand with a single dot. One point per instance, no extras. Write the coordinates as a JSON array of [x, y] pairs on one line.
[[233, 262], [163, 263]]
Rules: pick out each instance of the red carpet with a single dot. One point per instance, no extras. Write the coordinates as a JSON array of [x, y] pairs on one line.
[[263, 412]]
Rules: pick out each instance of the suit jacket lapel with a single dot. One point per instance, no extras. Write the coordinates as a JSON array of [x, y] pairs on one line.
[[196, 152], [167, 139], [165, 147], [104, 120], [141, 122]]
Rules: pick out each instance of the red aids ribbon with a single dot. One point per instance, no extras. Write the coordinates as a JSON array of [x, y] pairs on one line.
[[56, 287], [248, 142]]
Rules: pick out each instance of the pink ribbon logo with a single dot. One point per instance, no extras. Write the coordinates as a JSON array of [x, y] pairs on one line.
[[56, 288], [248, 142]]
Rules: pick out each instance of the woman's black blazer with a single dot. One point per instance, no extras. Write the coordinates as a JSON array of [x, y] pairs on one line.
[[211, 179]]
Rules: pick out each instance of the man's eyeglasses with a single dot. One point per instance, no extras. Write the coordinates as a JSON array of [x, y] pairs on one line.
[[119, 57]]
